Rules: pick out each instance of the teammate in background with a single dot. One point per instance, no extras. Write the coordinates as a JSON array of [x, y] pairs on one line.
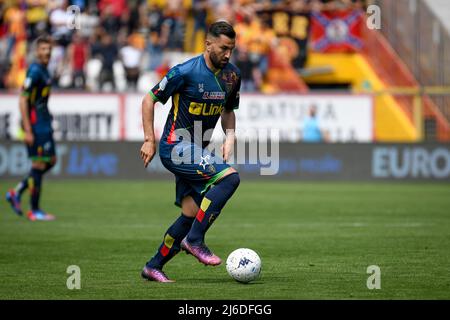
[[203, 90], [36, 123]]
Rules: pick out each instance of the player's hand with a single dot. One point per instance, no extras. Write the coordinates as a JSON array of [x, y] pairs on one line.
[[29, 138], [227, 149], [148, 151]]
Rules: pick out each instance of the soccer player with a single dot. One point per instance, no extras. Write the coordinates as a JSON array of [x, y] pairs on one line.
[[203, 90], [36, 123]]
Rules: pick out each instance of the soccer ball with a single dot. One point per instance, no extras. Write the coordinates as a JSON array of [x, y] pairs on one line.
[[244, 265]]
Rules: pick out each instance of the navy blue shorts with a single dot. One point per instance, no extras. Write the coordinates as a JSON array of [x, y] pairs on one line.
[[43, 148], [195, 170]]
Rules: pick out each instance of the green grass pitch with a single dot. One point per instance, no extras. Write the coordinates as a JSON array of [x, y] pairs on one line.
[[316, 241]]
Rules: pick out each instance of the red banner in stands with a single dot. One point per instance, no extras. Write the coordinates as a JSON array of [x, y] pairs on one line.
[[337, 31]]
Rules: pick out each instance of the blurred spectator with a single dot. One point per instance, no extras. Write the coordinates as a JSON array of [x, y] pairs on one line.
[[88, 21], [14, 20], [56, 64], [36, 18], [107, 52], [255, 40], [5, 67], [131, 58], [79, 3], [172, 28], [311, 129], [131, 18], [200, 12], [78, 55], [114, 7], [109, 22], [160, 30], [244, 64], [59, 19]]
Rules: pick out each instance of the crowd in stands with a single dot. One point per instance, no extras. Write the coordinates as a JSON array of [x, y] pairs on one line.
[[119, 45]]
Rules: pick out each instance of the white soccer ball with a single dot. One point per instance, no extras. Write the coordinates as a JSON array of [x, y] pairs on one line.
[[244, 265]]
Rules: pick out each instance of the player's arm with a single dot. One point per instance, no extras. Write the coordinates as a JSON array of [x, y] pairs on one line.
[[23, 106], [30, 82], [228, 121], [148, 149], [170, 84]]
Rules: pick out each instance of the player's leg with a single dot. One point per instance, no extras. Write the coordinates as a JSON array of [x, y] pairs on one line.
[[211, 206], [41, 164], [38, 169], [170, 245], [218, 188], [13, 196]]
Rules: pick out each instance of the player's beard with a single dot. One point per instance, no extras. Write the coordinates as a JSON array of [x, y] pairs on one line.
[[216, 62]]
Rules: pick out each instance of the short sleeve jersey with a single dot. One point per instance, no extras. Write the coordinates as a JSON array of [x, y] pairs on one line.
[[37, 90], [199, 96]]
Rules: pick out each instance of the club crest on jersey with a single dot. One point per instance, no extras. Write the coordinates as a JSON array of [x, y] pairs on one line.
[[201, 87], [230, 79]]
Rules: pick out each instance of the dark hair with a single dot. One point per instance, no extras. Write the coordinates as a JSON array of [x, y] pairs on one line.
[[43, 39], [221, 27]]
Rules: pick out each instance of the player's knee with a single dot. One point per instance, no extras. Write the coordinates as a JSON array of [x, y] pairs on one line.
[[51, 163], [236, 179], [233, 179], [189, 207], [38, 165]]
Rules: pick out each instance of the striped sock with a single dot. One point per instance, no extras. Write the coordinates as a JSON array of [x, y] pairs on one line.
[[171, 243], [211, 206]]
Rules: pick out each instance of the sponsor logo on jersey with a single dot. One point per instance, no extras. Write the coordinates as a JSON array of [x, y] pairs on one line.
[[205, 109], [214, 95], [230, 79]]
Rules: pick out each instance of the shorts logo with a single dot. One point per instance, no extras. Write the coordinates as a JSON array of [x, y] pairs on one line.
[[212, 169], [47, 146], [204, 161]]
